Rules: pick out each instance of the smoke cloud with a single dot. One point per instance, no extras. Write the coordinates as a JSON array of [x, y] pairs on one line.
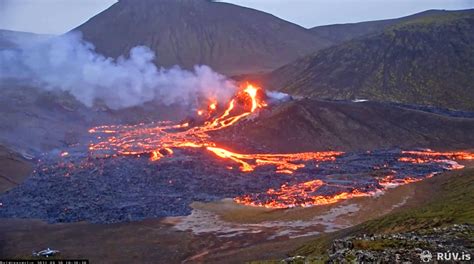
[[71, 64], [277, 97]]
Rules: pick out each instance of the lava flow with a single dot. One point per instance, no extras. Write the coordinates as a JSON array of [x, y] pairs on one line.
[[159, 140], [309, 193], [301, 194], [162, 139]]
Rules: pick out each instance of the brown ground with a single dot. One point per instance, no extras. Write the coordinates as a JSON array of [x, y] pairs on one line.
[[13, 169], [370, 207]]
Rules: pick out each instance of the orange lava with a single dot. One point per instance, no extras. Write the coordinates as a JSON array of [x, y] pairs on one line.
[[390, 182], [301, 194], [159, 140], [427, 154], [285, 163]]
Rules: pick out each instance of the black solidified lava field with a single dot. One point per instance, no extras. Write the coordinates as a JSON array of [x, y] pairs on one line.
[[128, 188]]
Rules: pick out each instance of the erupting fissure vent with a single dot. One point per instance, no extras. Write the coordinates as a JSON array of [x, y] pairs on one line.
[[161, 139]]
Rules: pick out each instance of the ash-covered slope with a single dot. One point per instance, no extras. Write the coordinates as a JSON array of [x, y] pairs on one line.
[[309, 125], [229, 38], [427, 60]]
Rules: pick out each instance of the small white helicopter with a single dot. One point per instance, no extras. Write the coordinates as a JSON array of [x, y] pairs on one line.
[[45, 253]]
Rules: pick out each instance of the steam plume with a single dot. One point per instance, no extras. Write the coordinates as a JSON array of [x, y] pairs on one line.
[[71, 64]]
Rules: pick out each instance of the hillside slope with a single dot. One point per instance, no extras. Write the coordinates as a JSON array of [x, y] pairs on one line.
[[229, 38], [428, 60], [339, 33], [308, 125], [10, 39]]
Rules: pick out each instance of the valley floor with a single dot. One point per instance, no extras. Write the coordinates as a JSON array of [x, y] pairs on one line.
[[223, 231]]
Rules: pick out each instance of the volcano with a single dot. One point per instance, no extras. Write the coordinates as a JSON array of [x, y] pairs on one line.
[[153, 170], [368, 130]]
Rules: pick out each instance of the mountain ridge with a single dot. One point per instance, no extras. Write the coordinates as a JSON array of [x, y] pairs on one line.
[[427, 61], [338, 33], [200, 32]]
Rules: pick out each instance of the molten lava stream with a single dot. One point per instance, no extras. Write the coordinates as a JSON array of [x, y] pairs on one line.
[[304, 194], [301, 194], [283, 162], [163, 138]]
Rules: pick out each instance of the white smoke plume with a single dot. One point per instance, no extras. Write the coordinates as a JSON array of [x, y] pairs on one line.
[[71, 64], [276, 96]]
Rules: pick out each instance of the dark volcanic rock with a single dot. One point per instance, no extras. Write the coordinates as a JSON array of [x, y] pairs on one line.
[[106, 190]]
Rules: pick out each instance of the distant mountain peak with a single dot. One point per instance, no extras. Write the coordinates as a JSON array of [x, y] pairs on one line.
[[229, 38]]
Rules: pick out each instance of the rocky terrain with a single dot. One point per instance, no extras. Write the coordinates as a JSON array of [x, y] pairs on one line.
[[426, 60], [229, 38], [411, 246]]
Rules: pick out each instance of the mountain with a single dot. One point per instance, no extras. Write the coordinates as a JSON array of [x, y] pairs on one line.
[[309, 125], [10, 39], [427, 60], [229, 38], [339, 33]]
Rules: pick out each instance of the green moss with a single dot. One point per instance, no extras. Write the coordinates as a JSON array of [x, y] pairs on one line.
[[382, 244]]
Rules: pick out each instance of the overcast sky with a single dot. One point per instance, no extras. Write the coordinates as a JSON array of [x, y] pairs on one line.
[[59, 16]]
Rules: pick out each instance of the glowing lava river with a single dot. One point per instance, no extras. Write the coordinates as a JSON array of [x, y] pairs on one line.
[[158, 169]]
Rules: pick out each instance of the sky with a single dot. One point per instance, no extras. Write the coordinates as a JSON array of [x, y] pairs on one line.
[[59, 16]]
